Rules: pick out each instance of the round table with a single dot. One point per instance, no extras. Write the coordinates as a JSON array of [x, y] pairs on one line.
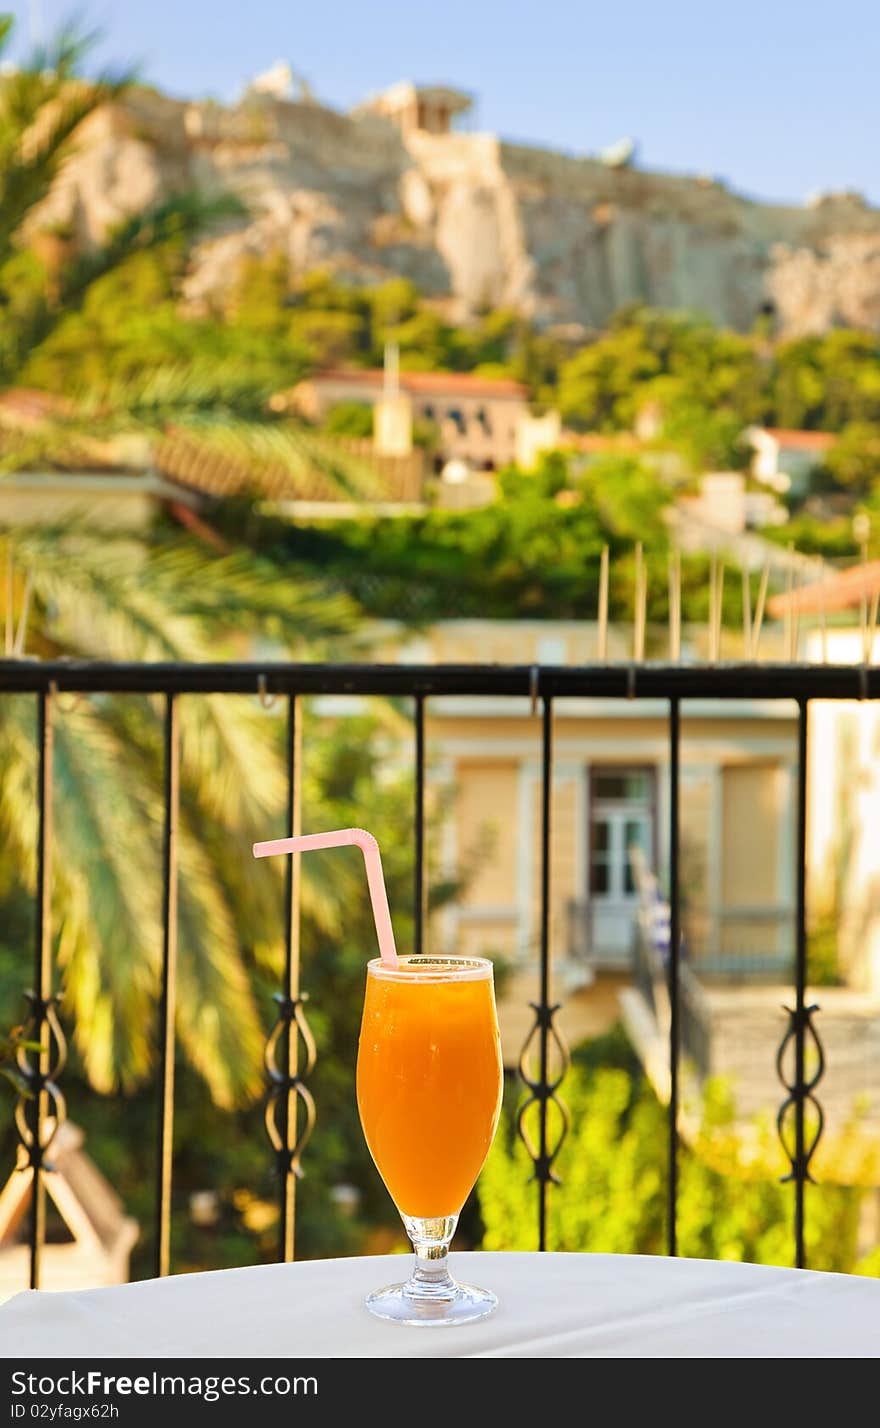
[[552, 1305]]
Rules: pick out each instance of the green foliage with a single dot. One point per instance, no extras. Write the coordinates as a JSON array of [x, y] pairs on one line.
[[684, 363], [48, 100], [826, 382], [9, 1047], [346, 781], [534, 552], [629, 498], [50, 87], [812, 535], [854, 459], [166, 599], [613, 1171], [708, 439], [350, 419], [709, 384]]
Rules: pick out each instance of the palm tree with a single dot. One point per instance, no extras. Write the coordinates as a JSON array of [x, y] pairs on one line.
[[223, 409], [72, 591], [170, 600]]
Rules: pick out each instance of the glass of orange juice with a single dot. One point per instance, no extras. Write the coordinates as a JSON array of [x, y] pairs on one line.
[[429, 1081]]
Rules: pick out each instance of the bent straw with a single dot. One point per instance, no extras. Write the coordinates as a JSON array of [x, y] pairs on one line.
[[344, 838]]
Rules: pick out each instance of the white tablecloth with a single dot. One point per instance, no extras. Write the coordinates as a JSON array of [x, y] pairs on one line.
[[552, 1305]]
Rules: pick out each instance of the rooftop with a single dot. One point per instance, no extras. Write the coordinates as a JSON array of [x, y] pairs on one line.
[[465, 384], [799, 440], [845, 590]]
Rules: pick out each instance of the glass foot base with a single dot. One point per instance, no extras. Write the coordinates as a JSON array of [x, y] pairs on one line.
[[461, 1304]]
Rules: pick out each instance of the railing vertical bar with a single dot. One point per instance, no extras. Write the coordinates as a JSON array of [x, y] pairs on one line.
[[162, 1248], [419, 891], [800, 976], [42, 979], [544, 998], [674, 974], [289, 1038]]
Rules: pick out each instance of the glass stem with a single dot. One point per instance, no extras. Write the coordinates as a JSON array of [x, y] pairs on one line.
[[430, 1278]]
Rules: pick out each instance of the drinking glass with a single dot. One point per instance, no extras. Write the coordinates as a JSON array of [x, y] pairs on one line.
[[429, 1082]]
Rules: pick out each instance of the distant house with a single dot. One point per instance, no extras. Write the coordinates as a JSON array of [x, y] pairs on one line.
[[476, 418], [121, 482], [611, 793], [89, 1236], [784, 457], [609, 827]]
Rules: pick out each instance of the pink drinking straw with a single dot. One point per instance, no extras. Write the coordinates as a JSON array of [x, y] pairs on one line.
[[345, 838]]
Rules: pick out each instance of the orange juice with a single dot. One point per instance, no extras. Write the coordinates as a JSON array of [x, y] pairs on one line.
[[429, 1079]]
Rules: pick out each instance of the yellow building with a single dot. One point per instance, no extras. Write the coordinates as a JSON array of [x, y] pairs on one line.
[[610, 795]]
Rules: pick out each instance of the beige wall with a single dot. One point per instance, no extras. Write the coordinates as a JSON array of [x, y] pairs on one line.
[[750, 847], [750, 853], [481, 442], [843, 815], [108, 506], [735, 809]]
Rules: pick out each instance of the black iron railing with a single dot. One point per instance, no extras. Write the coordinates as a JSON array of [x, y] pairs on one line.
[[290, 1052]]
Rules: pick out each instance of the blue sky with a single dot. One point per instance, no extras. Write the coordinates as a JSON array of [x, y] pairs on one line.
[[780, 99]]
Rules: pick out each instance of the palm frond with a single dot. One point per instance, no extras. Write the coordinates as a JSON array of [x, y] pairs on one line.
[[42, 107], [181, 216], [224, 455], [163, 393], [217, 1021], [241, 590], [54, 444], [107, 833]]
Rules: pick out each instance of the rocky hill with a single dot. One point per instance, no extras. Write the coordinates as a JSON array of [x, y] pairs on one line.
[[473, 220]]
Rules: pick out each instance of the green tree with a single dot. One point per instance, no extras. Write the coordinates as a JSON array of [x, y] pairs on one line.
[[683, 363], [613, 1172], [43, 106], [346, 780], [533, 552], [349, 419], [86, 596], [854, 459]]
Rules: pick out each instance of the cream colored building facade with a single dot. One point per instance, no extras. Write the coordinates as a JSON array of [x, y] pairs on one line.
[[477, 419], [610, 793], [844, 815]]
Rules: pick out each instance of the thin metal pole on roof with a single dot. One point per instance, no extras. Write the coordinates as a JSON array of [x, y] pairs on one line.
[[747, 611], [10, 596], [603, 604], [823, 617], [759, 609], [872, 624], [640, 599], [675, 605]]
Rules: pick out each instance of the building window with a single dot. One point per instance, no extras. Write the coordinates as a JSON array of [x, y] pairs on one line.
[[632, 785], [621, 822]]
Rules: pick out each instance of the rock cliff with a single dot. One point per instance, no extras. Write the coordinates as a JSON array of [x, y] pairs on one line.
[[472, 220]]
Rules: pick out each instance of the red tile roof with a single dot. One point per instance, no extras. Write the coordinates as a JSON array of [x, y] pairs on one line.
[[596, 442], [800, 440], [439, 384], [26, 406], [844, 590]]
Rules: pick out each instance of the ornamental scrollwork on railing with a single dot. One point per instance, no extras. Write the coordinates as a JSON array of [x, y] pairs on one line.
[[543, 1154], [291, 1021], [800, 1093], [38, 1068]]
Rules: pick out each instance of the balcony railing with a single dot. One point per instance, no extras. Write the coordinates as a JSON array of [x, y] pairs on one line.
[[290, 1053]]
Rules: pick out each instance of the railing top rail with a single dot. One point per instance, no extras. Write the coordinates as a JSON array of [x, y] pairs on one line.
[[616, 681]]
